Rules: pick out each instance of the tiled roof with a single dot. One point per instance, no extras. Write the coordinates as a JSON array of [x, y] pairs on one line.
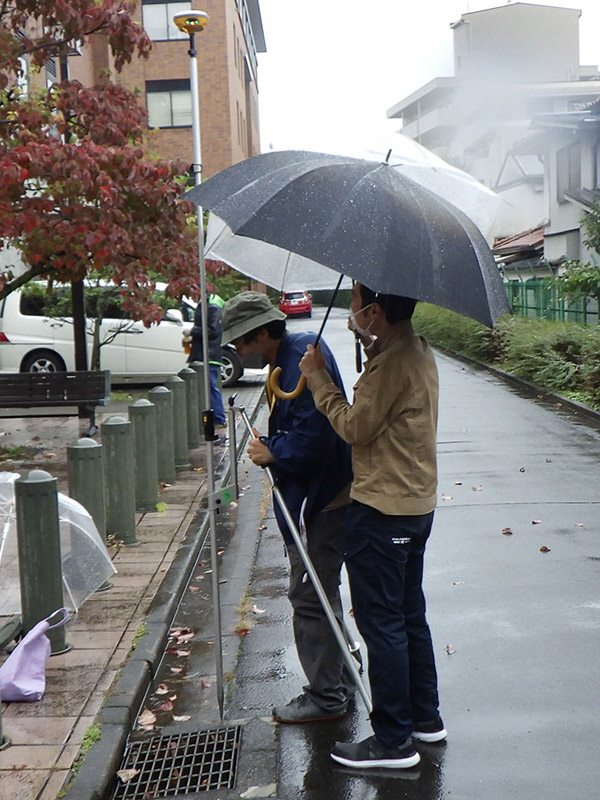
[[526, 240]]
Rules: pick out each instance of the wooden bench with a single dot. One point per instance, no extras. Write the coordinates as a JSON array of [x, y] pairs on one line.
[[85, 389]]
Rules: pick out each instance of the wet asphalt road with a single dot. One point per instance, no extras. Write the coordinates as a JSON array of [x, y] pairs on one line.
[[515, 627]]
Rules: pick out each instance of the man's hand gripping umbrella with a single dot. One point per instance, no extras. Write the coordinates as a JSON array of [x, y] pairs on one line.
[[348, 648]]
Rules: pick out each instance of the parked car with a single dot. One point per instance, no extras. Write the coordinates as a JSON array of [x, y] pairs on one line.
[[33, 342], [296, 303]]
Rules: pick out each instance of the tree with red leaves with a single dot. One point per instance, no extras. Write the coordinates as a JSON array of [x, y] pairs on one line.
[[78, 194]]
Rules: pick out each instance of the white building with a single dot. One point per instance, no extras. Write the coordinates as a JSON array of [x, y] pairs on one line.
[[511, 63]]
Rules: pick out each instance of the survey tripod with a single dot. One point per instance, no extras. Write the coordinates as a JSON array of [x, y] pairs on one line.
[[349, 649]]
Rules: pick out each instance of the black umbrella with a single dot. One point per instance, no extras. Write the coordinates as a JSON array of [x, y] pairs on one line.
[[363, 219]]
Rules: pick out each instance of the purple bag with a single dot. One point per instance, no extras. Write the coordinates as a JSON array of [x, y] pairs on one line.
[[23, 674]]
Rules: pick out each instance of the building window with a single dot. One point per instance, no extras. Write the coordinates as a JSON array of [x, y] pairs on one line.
[[157, 19], [23, 77], [568, 171], [169, 104], [51, 74]]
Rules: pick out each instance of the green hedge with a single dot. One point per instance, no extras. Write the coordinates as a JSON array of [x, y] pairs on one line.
[[557, 356]]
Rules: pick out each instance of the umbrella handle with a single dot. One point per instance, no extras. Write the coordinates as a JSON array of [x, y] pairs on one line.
[[278, 391]]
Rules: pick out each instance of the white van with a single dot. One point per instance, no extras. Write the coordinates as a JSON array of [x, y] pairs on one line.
[[32, 342]]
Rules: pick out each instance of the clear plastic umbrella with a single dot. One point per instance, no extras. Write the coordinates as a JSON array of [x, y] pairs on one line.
[[86, 564]]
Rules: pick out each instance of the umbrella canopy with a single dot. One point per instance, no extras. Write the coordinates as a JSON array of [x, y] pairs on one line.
[[363, 219], [411, 159], [266, 262]]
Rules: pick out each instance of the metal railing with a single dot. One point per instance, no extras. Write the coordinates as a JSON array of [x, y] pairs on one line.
[[538, 299]]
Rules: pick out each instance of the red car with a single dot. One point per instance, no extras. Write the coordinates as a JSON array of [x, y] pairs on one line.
[[295, 303]]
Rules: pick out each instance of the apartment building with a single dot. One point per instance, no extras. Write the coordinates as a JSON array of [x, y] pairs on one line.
[[227, 77], [511, 63]]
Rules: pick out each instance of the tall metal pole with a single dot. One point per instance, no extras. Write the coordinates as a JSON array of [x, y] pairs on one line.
[[193, 22]]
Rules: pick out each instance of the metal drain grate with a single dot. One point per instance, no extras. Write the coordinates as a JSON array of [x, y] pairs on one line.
[[181, 763]]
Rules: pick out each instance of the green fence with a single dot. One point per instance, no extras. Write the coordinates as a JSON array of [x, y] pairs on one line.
[[537, 299]]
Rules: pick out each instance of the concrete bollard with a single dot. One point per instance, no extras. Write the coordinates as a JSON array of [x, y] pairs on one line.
[[142, 415], [117, 439], [198, 367], [193, 409], [40, 564], [162, 399], [180, 438], [85, 466]]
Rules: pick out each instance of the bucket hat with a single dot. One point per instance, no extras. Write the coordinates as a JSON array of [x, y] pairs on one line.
[[245, 312]]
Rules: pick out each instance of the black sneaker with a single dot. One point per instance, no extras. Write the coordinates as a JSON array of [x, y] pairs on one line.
[[369, 753], [302, 709], [432, 730]]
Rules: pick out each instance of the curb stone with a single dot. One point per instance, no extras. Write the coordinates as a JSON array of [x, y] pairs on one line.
[[531, 388]]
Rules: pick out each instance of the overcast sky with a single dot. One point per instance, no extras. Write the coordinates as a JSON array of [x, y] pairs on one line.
[[333, 67]]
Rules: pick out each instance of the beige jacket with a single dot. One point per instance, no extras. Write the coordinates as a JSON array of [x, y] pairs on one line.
[[391, 424]]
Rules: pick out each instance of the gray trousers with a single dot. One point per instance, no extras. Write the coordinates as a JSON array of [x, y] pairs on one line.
[[330, 684]]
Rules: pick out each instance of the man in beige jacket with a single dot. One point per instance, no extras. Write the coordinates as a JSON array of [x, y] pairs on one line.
[[391, 426]]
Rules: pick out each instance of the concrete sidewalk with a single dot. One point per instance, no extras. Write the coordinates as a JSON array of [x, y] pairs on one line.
[[118, 636]]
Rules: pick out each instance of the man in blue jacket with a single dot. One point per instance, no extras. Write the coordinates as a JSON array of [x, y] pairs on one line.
[[214, 306], [311, 466]]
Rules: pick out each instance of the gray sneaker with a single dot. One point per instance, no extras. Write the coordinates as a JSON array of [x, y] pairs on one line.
[[303, 709]]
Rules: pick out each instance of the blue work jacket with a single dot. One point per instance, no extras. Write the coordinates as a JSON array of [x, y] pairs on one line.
[[312, 462]]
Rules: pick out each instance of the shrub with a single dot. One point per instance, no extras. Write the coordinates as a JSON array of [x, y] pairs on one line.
[[556, 356]]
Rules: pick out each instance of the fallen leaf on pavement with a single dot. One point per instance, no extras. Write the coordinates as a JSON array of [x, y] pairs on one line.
[[450, 649], [176, 670], [242, 631], [270, 790], [544, 549], [522, 469], [258, 610], [536, 521], [507, 531], [579, 524], [126, 775], [205, 684], [146, 720], [458, 483], [162, 688], [262, 528], [446, 497], [476, 488], [166, 706], [183, 636], [457, 583], [193, 589], [182, 718]]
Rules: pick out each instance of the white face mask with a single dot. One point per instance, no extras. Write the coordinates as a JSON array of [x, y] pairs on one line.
[[355, 326]]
